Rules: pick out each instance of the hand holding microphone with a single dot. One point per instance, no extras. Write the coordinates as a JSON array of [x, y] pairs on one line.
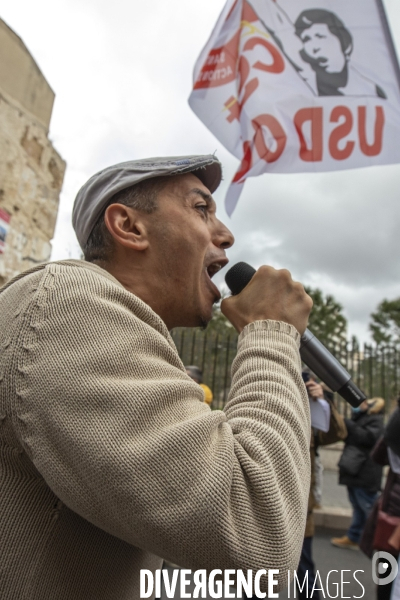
[[272, 294]]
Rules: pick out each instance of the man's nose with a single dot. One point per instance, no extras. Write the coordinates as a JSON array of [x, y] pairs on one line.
[[223, 237]]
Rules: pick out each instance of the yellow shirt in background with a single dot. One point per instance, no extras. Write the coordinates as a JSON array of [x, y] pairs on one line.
[[208, 395]]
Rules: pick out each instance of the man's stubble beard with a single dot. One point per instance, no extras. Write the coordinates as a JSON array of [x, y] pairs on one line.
[[204, 324], [203, 321]]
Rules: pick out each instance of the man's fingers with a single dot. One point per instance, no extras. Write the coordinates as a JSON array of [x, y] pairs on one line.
[[270, 294]]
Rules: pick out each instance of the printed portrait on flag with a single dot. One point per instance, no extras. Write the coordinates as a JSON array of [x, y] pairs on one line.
[[320, 40], [300, 86]]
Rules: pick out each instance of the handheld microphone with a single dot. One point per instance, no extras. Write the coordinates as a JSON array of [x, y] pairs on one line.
[[313, 353]]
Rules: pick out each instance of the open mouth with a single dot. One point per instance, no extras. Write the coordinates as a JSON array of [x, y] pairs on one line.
[[213, 269]]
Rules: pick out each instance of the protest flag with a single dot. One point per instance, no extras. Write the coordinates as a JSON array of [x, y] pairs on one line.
[[300, 86]]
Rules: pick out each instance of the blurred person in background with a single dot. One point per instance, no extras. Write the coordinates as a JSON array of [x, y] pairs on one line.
[[335, 431], [357, 470], [395, 542], [380, 532], [196, 374], [392, 441]]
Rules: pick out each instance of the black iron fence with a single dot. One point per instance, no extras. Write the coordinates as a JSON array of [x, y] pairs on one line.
[[375, 369], [213, 352]]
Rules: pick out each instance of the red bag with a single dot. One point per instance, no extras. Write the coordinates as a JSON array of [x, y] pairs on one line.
[[385, 526]]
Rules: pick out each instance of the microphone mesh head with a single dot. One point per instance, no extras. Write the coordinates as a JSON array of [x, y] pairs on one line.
[[238, 277]]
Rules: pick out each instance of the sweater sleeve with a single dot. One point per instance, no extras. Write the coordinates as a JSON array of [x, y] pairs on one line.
[[120, 434]]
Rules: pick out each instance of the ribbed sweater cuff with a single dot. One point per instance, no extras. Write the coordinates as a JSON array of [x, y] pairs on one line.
[[273, 326]]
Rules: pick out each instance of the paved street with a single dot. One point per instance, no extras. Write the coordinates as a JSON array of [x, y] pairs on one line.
[[334, 494]]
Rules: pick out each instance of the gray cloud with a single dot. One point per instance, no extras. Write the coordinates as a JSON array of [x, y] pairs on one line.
[[336, 231], [345, 224]]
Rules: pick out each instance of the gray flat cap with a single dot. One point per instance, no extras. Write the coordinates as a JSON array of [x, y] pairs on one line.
[[95, 194]]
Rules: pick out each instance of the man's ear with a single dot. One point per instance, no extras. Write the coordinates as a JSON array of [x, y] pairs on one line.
[[127, 226]]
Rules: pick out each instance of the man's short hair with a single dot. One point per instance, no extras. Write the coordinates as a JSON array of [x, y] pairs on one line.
[[335, 25], [142, 197]]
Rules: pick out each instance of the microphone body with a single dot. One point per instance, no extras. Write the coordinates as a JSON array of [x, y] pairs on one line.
[[313, 353]]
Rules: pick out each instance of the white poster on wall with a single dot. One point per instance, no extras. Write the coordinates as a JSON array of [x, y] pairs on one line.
[[4, 226], [300, 86]]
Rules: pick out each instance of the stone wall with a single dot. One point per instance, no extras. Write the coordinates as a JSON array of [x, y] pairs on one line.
[[31, 171]]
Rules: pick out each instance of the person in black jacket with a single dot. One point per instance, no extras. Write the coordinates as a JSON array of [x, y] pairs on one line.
[[392, 431], [392, 439], [357, 470], [386, 452]]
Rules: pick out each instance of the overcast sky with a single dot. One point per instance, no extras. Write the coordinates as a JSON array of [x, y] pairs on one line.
[[122, 73]]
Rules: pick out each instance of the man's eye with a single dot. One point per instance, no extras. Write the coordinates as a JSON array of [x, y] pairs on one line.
[[203, 208]]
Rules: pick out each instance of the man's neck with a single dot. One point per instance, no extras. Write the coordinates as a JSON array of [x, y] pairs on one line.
[[135, 279], [128, 278]]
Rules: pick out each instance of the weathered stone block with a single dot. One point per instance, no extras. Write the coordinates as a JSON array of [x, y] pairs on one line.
[[31, 171]]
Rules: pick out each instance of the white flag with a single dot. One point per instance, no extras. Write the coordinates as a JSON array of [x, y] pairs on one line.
[[300, 86]]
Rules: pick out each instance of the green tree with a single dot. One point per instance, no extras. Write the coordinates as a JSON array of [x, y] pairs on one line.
[[385, 322], [327, 321], [219, 323]]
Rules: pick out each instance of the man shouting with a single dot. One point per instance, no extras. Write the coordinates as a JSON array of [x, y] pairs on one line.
[[109, 458]]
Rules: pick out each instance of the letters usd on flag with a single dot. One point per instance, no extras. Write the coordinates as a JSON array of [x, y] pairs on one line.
[[300, 86]]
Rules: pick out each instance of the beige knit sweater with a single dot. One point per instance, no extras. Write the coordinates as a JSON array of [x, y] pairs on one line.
[[109, 459]]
